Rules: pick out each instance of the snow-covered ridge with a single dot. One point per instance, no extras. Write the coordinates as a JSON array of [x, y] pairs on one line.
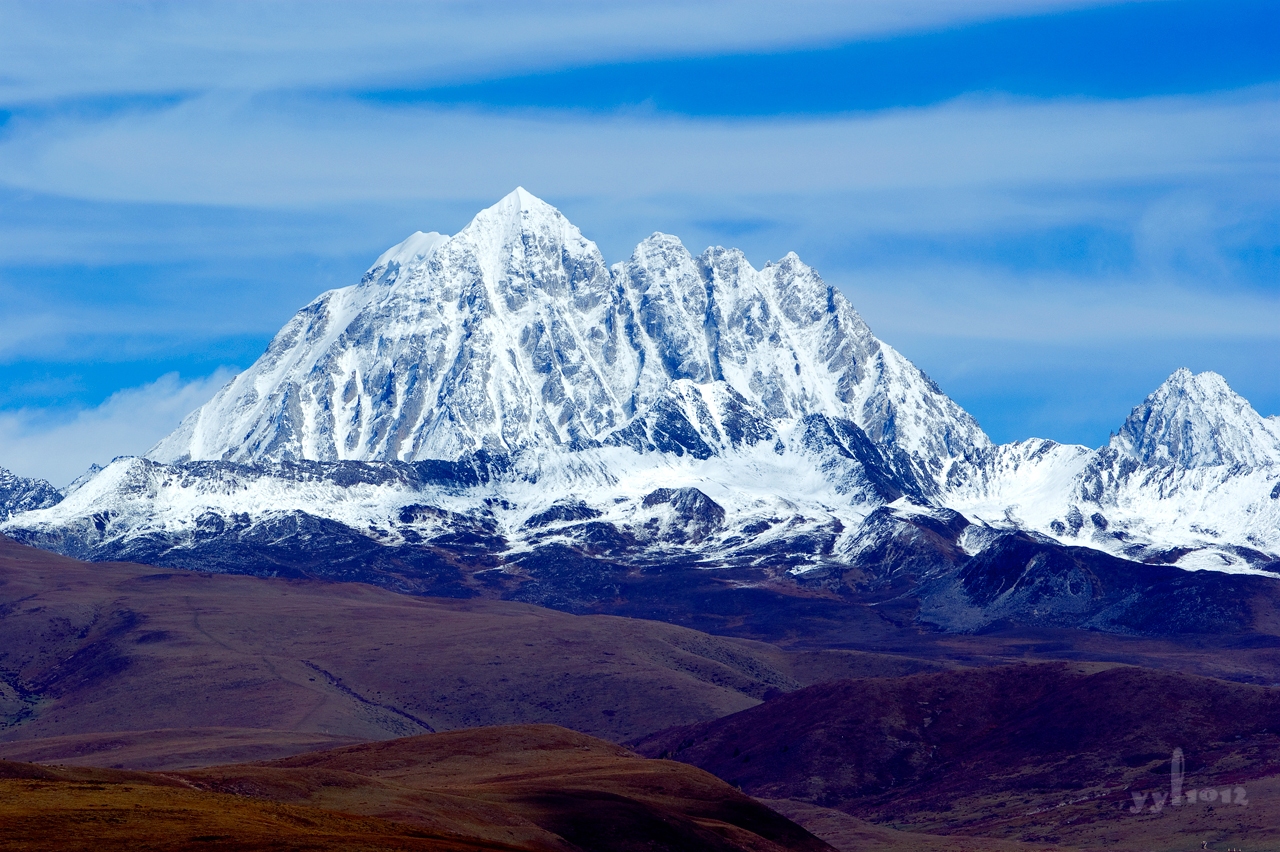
[[1192, 477], [661, 502], [19, 494], [507, 381]]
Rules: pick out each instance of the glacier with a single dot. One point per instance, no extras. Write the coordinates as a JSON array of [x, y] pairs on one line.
[[505, 394]]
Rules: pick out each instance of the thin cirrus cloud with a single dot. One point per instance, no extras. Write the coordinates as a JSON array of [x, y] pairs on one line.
[[284, 152], [1111, 51], [1022, 196], [83, 49]]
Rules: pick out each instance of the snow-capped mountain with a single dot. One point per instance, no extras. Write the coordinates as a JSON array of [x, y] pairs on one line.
[[502, 409], [1192, 478], [506, 372], [514, 336], [18, 494], [1192, 422]]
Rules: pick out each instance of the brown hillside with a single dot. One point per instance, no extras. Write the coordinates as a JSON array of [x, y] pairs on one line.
[[1034, 753], [128, 665], [531, 787]]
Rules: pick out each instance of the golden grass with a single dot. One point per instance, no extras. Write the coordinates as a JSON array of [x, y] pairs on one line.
[[131, 817]]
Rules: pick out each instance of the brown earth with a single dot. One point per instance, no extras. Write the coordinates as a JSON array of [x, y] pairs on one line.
[[935, 743], [1047, 753], [132, 666], [529, 787]]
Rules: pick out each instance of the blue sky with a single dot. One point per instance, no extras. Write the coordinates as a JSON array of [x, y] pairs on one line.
[[1047, 205]]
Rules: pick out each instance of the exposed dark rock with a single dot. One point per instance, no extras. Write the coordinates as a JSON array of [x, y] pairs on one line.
[[562, 512], [694, 515]]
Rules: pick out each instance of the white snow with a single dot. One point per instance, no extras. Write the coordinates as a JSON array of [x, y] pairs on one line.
[[1193, 466], [515, 337], [415, 249]]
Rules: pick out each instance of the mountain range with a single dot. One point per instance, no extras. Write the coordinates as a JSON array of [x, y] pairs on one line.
[[880, 623], [501, 413]]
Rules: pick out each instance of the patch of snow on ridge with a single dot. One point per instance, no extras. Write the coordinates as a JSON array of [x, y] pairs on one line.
[[1026, 484], [415, 249], [19, 494]]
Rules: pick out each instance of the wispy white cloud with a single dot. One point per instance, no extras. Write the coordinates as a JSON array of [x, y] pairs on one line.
[[981, 303], [877, 202], [1163, 173], [59, 446], [231, 150], [68, 49]]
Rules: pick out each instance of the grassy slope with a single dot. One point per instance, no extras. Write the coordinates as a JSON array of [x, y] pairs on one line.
[[1046, 753], [133, 666], [531, 787]]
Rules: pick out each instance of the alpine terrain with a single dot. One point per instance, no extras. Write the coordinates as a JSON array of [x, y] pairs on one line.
[[501, 413]]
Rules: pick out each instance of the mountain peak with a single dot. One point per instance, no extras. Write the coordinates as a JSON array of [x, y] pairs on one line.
[[1204, 391], [1197, 420], [19, 494], [513, 335], [525, 200], [1206, 383], [520, 205], [521, 225]]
